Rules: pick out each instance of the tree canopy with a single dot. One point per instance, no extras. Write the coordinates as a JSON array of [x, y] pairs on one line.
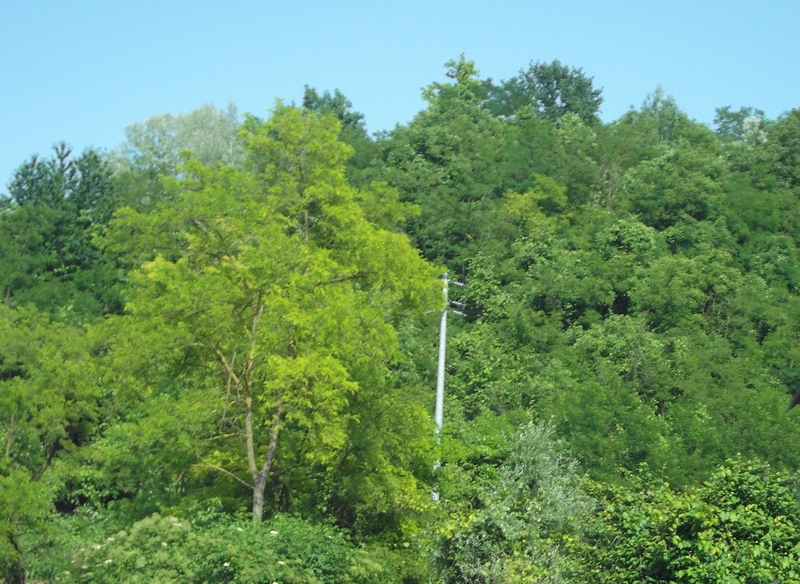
[[219, 344]]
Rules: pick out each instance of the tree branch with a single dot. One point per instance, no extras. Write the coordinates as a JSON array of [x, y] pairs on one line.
[[50, 455], [248, 429], [228, 367], [221, 436], [229, 473], [10, 432], [273, 439]]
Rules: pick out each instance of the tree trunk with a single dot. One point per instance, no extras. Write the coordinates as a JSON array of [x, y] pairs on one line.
[[14, 570], [260, 479], [258, 497]]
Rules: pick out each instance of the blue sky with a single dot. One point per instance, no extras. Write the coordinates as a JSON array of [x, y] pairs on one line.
[[82, 71]]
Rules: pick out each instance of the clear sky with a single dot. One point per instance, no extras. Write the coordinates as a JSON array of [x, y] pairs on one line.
[[82, 71]]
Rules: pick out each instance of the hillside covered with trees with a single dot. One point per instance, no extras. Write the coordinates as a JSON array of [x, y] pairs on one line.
[[219, 339]]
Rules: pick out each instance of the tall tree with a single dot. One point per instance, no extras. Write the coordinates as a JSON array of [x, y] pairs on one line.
[[550, 89], [153, 149], [336, 104], [212, 135], [353, 131], [54, 209], [450, 162], [280, 294], [746, 124]]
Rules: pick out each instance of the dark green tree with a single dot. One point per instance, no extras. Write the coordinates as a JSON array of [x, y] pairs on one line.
[[745, 124], [450, 162], [53, 210], [550, 89], [784, 137], [742, 525]]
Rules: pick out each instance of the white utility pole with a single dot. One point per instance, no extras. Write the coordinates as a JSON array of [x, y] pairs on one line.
[[439, 415], [439, 412]]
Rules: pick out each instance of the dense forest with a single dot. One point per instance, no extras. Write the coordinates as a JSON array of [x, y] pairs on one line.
[[219, 345]]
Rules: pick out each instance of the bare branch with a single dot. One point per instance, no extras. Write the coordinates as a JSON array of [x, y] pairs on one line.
[[228, 367], [227, 472], [220, 436], [273, 439]]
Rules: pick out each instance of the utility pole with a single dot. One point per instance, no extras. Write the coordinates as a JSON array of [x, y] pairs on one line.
[[439, 412]]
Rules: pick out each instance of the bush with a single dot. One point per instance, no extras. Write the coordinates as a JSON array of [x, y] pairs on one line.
[[742, 525], [167, 549], [530, 516]]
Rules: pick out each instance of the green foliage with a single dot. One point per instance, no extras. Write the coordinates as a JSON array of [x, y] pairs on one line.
[[784, 136], [336, 104], [274, 311], [546, 198], [154, 146], [531, 511], [745, 125], [532, 147], [47, 409], [23, 510], [634, 283], [353, 130], [465, 88], [682, 185], [448, 162], [47, 398], [551, 90], [155, 149], [742, 525], [47, 256], [168, 549]]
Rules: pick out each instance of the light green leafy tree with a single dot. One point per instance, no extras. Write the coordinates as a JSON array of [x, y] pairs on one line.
[[279, 296]]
